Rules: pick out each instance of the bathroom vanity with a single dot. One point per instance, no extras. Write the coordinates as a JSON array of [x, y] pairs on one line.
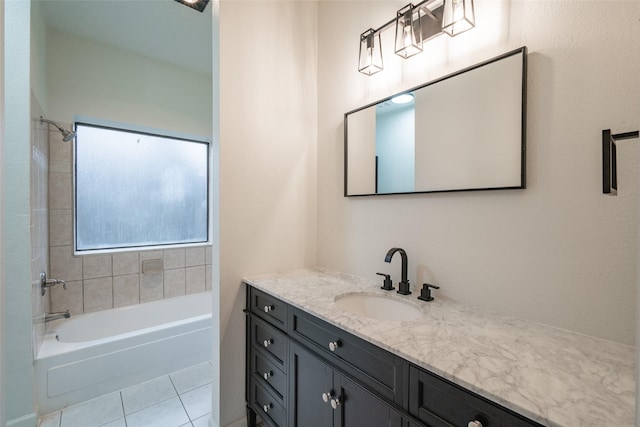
[[312, 363]]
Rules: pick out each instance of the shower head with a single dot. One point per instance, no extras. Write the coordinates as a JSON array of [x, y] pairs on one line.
[[67, 135]]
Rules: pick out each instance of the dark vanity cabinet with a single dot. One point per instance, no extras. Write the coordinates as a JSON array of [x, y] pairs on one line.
[[329, 398], [303, 371]]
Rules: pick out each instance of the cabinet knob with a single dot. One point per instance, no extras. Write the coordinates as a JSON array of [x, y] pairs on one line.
[[266, 375], [267, 407], [333, 345], [268, 308], [336, 402], [474, 423], [267, 342], [327, 396]]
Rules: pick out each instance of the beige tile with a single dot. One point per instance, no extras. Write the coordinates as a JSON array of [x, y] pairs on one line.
[[208, 254], [126, 290], [60, 167], [194, 256], [64, 265], [68, 299], [59, 151], [60, 227], [195, 279], [60, 190], [98, 294], [208, 278], [94, 266], [125, 263], [174, 258], [151, 287], [145, 255], [174, 283]]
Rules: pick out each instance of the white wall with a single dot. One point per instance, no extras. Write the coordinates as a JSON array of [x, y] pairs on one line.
[[16, 245], [559, 252], [96, 80], [267, 153], [38, 54], [3, 417]]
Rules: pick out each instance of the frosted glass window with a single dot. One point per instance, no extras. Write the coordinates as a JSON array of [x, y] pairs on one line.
[[135, 189]]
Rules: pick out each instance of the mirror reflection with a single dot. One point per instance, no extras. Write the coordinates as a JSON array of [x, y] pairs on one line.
[[462, 132]]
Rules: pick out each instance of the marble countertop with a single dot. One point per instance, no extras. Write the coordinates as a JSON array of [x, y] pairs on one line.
[[553, 376]]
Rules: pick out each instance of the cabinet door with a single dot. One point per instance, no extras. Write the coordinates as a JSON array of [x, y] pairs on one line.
[[309, 378], [359, 407]]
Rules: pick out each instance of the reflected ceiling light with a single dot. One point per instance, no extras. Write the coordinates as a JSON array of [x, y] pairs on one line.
[[198, 5], [403, 98], [408, 31], [414, 26], [370, 61]]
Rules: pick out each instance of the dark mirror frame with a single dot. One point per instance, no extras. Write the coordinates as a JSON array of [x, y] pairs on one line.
[[521, 50]]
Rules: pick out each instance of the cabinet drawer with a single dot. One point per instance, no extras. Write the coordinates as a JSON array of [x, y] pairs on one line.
[[371, 365], [269, 339], [441, 403], [266, 406], [267, 372], [268, 308]]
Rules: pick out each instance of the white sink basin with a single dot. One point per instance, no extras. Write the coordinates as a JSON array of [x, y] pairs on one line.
[[377, 306]]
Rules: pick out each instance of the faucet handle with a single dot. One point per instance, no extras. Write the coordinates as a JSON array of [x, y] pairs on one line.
[[425, 292], [388, 284], [48, 283]]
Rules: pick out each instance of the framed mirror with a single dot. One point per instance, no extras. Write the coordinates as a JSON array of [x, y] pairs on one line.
[[461, 132]]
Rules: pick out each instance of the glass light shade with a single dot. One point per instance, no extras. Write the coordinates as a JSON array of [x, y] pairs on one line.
[[458, 16], [370, 60], [408, 31]]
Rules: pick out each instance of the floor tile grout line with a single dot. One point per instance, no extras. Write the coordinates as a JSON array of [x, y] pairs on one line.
[[181, 402], [124, 414]]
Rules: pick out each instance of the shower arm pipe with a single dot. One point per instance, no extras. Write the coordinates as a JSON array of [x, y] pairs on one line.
[[67, 135], [51, 122]]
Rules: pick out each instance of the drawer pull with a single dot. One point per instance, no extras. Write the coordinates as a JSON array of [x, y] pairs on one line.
[[267, 342], [327, 397], [266, 375], [268, 308], [336, 402], [266, 407], [474, 423], [333, 345]]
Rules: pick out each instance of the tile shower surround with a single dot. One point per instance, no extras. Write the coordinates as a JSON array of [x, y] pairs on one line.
[[39, 232], [101, 282]]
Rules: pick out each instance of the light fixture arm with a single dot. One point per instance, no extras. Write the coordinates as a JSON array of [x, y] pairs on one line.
[[423, 6]]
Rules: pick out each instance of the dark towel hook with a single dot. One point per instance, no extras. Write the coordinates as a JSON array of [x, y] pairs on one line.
[[609, 160]]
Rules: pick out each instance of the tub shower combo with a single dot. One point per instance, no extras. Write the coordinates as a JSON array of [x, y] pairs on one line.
[[97, 353]]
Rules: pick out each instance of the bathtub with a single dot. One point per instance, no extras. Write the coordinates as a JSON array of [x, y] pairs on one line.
[[98, 353]]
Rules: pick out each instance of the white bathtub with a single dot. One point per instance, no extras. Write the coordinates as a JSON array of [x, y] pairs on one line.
[[97, 353]]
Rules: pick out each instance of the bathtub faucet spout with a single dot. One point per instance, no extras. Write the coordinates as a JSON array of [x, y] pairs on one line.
[[48, 317]]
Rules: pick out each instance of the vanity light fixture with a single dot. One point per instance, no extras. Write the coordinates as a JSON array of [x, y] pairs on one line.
[[458, 17], [414, 26], [408, 31], [370, 52], [198, 5]]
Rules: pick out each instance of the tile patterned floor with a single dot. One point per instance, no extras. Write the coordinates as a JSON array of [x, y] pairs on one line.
[[180, 399]]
